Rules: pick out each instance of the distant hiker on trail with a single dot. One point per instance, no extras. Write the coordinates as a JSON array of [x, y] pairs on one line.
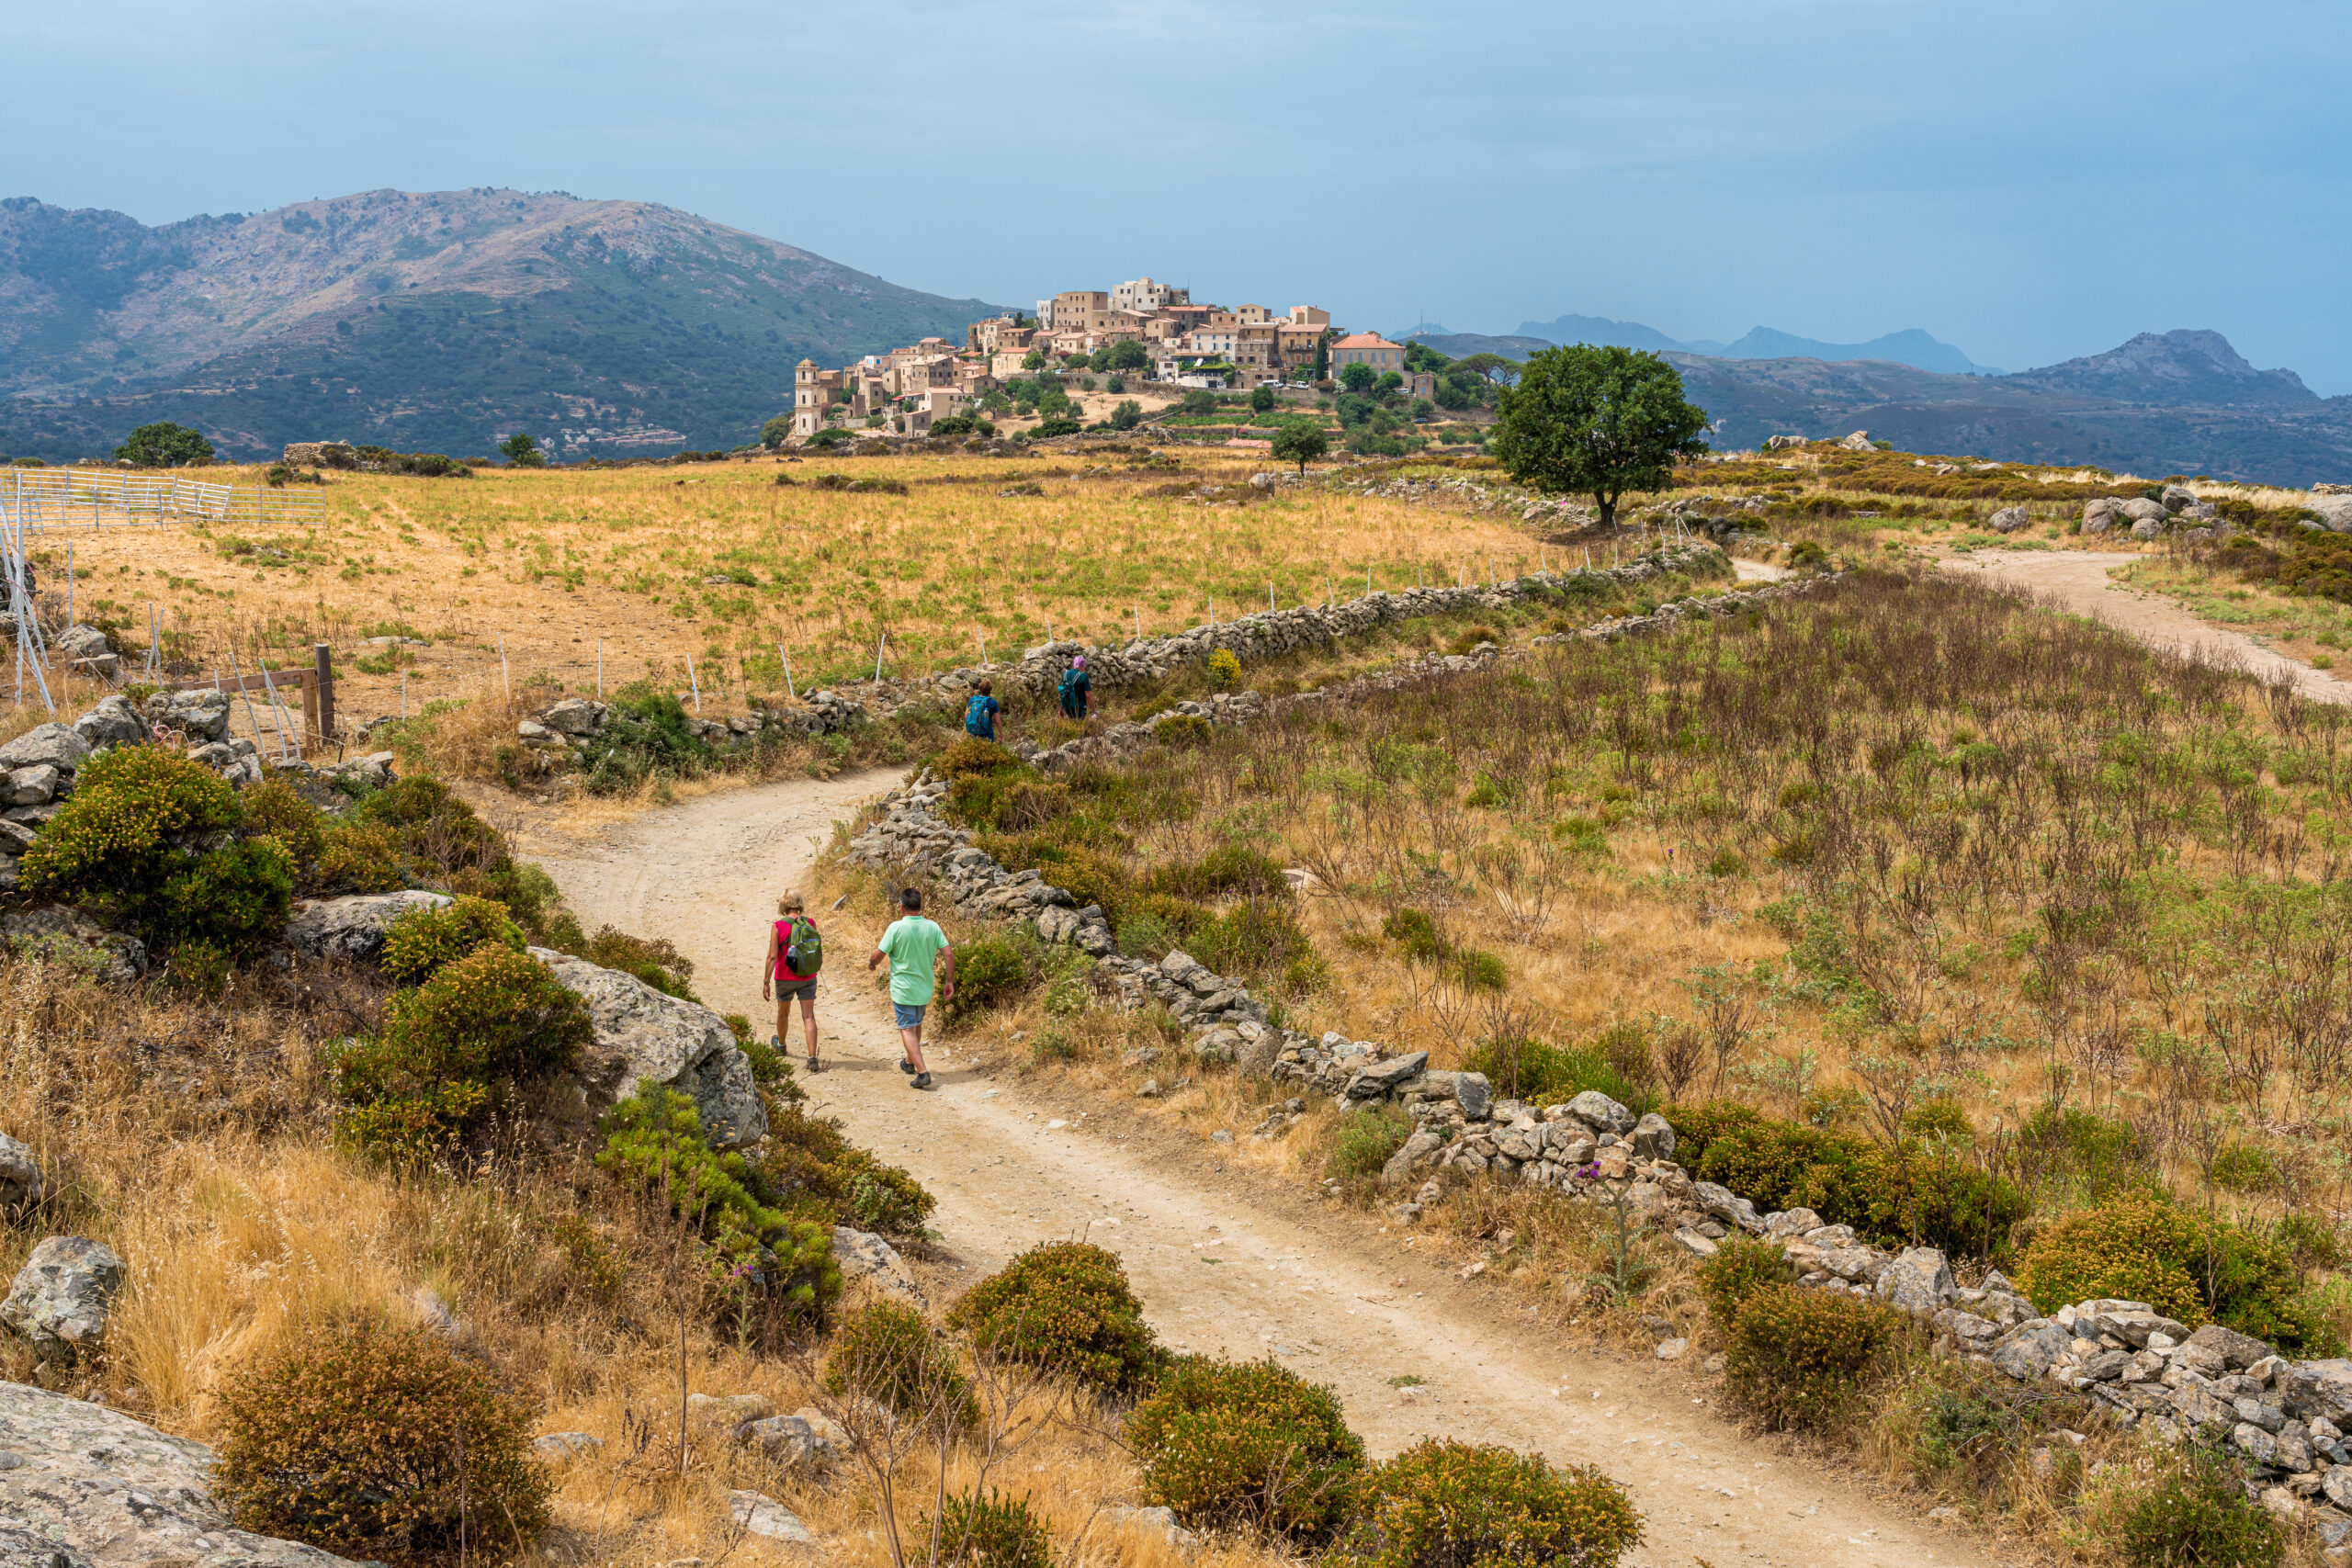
[[980, 714], [795, 951], [1077, 690], [920, 960]]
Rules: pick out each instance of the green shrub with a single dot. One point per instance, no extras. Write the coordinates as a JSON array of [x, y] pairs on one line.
[[1228, 869], [274, 808], [2195, 1267], [1185, 728], [233, 899], [1365, 1139], [1156, 923], [1424, 944], [1696, 1127], [1798, 1357], [1257, 938], [1445, 1502], [996, 1531], [1248, 1444], [1887, 1195], [1940, 1119], [2195, 1514], [117, 843], [884, 1351], [360, 856], [1738, 1269], [988, 971], [419, 943], [455, 1046], [1225, 669], [349, 1439], [1544, 1074], [647, 733], [1065, 1305], [654, 960], [805, 1166]]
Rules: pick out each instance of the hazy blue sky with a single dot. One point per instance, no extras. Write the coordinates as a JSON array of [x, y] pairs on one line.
[[2030, 181]]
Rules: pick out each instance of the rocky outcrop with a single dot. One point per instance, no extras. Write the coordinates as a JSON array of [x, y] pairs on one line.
[[83, 1486], [61, 1299], [643, 1036], [353, 928], [71, 937]]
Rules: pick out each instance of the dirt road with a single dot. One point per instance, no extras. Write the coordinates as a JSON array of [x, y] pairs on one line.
[[2078, 580], [1224, 1261]]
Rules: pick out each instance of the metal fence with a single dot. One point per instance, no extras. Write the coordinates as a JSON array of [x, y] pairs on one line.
[[40, 499]]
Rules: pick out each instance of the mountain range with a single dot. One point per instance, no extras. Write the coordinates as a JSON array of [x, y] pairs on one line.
[[2176, 402], [1910, 347], [437, 321], [443, 321]]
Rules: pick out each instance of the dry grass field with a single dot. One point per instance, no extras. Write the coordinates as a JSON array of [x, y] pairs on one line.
[[718, 564]]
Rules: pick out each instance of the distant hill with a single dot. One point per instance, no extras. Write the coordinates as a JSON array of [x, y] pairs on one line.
[[1461, 345], [2174, 369], [2156, 406], [435, 321], [1910, 347]]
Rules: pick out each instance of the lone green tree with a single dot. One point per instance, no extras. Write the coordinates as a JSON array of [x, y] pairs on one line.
[[164, 445], [522, 449], [1262, 398], [1300, 440], [1127, 415], [1597, 421]]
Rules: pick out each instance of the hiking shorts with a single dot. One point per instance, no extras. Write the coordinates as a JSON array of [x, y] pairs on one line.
[[911, 1017], [788, 989]]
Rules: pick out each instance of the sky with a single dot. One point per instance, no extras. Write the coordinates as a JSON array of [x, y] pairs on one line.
[[2028, 181]]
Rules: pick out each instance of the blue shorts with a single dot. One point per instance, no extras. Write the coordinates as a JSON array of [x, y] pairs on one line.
[[911, 1017]]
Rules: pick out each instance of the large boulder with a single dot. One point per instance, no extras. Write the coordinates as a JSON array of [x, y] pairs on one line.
[[2140, 509], [2010, 519], [2178, 497], [2214, 1350], [1653, 1137], [2026, 1351], [1919, 1282], [87, 1487], [59, 1299], [574, 716], [2100, 512], [1601, 1113], [56, 744], [354, 927], [114, 722], [199, 715], [643, 1036], [2336, 511]]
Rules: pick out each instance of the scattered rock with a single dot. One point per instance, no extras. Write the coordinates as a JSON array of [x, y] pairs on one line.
[[46, 745], [1919, 1281], [2009, 520], [21, 1183], [1672, 1350], [69, 936], [561, 1447], [765, 1516], [862, 1255], [59, 1299]]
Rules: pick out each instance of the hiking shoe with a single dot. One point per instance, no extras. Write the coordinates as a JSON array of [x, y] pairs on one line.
[[921, 1080], [816, 1064], [775, 1043], [906, 1066]]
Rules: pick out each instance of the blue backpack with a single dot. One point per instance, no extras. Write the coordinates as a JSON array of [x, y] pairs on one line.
[[977, 717]]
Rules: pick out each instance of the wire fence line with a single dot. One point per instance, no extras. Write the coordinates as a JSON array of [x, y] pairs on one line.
[[39, 500]]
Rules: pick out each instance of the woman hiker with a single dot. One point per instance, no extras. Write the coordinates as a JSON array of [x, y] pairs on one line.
[[1077, 690], [779, 973]]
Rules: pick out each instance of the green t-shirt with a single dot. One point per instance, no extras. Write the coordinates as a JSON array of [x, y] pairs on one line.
[[911, 943]]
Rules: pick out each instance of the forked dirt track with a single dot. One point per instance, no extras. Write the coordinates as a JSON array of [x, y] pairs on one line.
[[1224, 1261]]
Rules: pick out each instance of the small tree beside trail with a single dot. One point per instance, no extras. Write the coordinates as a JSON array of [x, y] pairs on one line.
[[1597, 421], [1300, 440]]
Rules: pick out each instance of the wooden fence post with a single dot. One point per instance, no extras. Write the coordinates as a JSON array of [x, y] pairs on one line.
[[318, 692]]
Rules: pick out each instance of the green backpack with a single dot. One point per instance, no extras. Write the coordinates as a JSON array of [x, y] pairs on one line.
[[807, 953]]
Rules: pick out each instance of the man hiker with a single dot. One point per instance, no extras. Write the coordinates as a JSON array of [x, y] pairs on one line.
[[1077, 690], [980, 714], [793, 947], [920, 960]]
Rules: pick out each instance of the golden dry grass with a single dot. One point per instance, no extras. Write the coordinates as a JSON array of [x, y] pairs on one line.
[[194, 1138], [556, 561]]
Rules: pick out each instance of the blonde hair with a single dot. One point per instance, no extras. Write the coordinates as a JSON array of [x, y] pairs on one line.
[[789, 902]]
